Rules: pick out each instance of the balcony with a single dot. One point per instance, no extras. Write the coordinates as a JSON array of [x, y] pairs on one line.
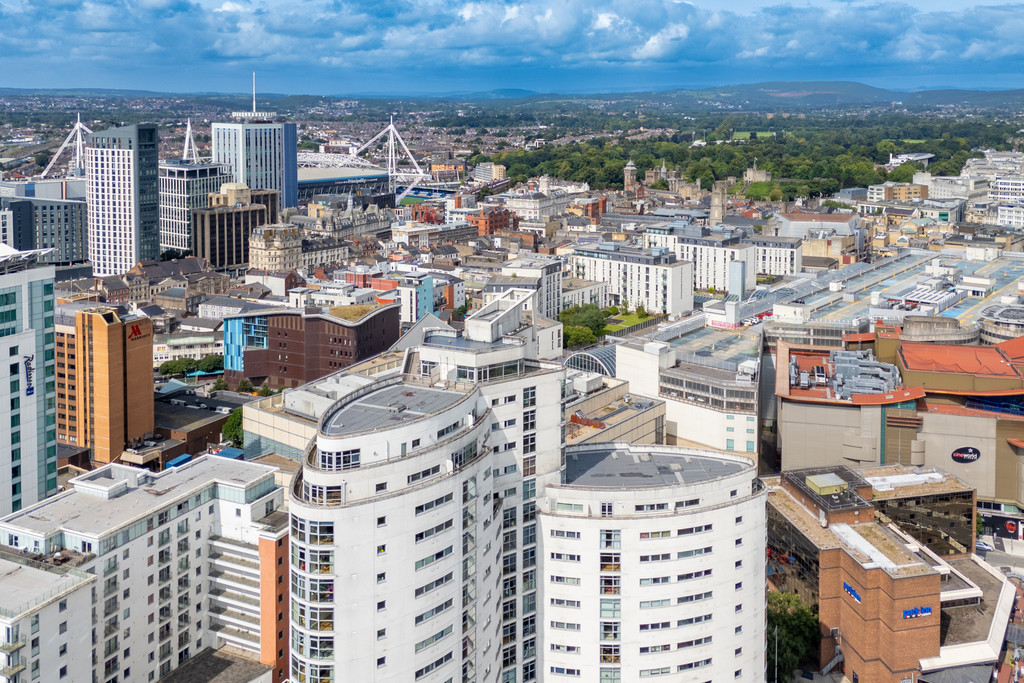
[[12, 670], [13, 646]]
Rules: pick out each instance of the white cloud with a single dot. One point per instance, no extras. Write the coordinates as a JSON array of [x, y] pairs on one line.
[[230, 7], [662, 43], [605, 20]]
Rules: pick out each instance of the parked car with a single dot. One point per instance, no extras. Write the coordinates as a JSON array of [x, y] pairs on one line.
[[984, 547]]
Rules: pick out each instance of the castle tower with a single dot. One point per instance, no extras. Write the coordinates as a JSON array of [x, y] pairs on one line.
[[717, 202]]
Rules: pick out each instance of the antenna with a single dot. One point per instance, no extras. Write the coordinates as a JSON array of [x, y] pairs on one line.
[[190, 146], [253, 92], [74, 138]]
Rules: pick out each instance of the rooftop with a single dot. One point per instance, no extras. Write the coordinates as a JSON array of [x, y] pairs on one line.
[[390, 405], [897, 481], [353, 313], [622, 466], [28, 584], [93, 515], [973, 360], [217, 666]]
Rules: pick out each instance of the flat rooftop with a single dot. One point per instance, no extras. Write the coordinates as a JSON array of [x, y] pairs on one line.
[[217, 666], [92, 515], [390, 406], [971, 623], [28, 584], [897, 481], [613, 466], [989, 361]]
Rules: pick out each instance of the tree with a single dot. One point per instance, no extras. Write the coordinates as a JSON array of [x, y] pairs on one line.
[[181, 366], [232, 429], [220, 384], [42, 159], [641, 312], [798, 635], [212, 363], [590, 316], [578, 335], [245, 386], [265, 390]]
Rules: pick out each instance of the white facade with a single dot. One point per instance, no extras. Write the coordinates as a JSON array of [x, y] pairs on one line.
[[777, 255], [648, 573], [174, 555], [548, 271], [1011, 215], [41, 621], [576, 292], [28, 437], [185, 186], [710, 255], [195, 345], [122, 199], [532, 206], [260, 154], [653, 279], [1009, 188]]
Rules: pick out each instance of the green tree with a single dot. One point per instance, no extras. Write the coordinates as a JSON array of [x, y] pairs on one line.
[[641, 312], [245, 386], [590, 316], [220, 384], [904, 173], [212, 363], [578, 335], [265, 390], [232, 429], [798, 634], [42, 159]]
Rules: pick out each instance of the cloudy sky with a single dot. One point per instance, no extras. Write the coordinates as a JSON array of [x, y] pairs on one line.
[[422, 46]]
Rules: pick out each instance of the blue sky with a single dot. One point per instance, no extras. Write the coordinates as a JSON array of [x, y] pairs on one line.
[[423, 46]]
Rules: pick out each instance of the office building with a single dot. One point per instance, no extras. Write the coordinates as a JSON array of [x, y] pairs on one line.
[[261, 154], [289, 347], [473, 544], [275, 248], [122, 198], [104, 379], [890, 608], [652, 278], [28, 440], [167, 564], [184, 187], [220, 232]]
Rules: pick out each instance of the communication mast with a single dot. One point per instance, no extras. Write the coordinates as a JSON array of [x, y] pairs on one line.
[[75, 141]]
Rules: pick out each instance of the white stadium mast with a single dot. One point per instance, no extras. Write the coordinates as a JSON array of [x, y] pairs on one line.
[[75, 140]]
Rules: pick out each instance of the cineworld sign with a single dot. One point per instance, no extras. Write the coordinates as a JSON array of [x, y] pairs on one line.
[[966, 455]]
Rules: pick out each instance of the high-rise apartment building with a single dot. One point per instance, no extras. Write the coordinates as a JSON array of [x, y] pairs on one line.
[[28, 439], [61, 228], [185, 186], [139, 572], [653, 278], [16, 229], [261, 154], [104, 379], [547, 270], [439, 510], [122, 195]]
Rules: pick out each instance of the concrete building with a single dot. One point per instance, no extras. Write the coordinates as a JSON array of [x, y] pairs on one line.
[[900, 192], [61, 226], [777, 255], [122, 197], [261, 154], [579, 292], [104, 379], [220, 232], [717, 256], [28, 440], [170, 564], [953, 187], [438, 474], [190, 344], [488, 172], [16, 224], [548, 272], [288, 347], [184, 187], [652, 278], [1009, 188]]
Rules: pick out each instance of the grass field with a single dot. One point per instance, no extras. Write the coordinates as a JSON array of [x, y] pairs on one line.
[[747, 134], [624, 321]]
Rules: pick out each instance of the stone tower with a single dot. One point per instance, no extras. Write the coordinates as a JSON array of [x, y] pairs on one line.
[[629, 177], [717, 202]]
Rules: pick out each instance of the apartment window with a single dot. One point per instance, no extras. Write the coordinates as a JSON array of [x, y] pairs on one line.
[[607, 509], [610, 538], [530, 443], [381, 661], [529, 397], [529, 466]]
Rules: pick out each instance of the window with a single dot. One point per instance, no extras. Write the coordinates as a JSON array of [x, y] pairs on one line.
[[694, 620], [559, 533], [530, 466], [565, 557], [382, 486], [694, 665], [694, 575], [645, 535], [649, 604], [693, 553], [529, 420], [564, 626], [429, 472], [529, 397], [562, 602], [610, 630], [660, 557], [611, 608], [654, 580], [431, 559], [694, 530], [530, 443], [650, 507], [696, 597], [565, 580], [427, 533], [381, 661], [425, 507], [436, 583], [433, 612], [610, 539]]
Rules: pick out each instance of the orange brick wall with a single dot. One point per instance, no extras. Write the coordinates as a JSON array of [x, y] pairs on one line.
[[274, 605]]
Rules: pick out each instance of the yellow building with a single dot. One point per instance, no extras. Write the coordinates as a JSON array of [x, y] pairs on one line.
[[104, 380]]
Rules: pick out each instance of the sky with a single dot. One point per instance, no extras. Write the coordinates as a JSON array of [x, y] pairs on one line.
[[400, 47]]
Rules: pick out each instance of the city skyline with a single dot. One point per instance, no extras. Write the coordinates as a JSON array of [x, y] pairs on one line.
[[396, 48]]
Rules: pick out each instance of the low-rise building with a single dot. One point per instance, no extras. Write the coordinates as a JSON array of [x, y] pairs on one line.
[[719, 257], [652, 278]]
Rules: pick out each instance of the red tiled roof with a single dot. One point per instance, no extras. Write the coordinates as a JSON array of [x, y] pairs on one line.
[[1013, 348]]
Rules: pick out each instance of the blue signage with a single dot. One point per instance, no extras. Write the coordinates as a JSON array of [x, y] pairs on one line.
[[30, 374], [849, 589], [917, 612]]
